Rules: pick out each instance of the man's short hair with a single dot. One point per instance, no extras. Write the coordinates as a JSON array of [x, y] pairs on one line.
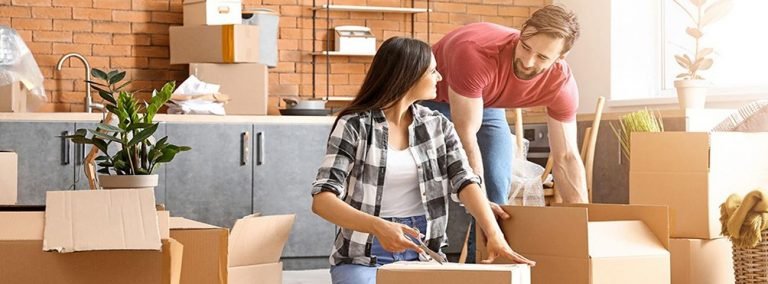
[[555, 21]]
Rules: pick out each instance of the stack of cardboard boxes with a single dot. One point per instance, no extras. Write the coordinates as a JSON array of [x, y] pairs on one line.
[[693, 173], [220, 49]]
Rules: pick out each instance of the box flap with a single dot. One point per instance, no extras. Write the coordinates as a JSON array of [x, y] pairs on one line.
[[623, 239], [121, 219], [654, 216], [163, 220], [21, 225], [431, 272], [528, 226], [184, 223], [632, 270], [258, 240], [670, 151]]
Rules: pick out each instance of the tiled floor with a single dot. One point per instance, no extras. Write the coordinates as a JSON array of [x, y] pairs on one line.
[[318, 276]]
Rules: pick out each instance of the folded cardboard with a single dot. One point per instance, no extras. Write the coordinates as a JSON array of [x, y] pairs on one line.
[[212, 12], [693, 173], [214, 44], [85, 220], [22, 259], [13, 97], [255, 246], [589, 243], [696, 261], [205, 251], [9, 178], [453, 273], [246, 85]]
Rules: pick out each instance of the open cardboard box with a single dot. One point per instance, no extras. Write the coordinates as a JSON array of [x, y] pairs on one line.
[[9, 170], [452, 273], [696, 261], [250, 254], [245, 84], [590, 243], [23, 234], [693, 173]]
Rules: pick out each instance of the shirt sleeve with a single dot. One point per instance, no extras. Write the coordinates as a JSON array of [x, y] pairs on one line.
[[339, 158], [459, 171], [566, 102], [469, 69]]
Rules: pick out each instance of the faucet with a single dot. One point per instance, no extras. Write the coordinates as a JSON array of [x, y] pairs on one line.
[[89, 104]]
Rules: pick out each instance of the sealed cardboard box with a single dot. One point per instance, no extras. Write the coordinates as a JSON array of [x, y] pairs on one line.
[[244, 83], [590, 244], [205, 251], [214, 44], [693, 173], [212, 12], [13, 97], [696, 261], [453, 273], [9, 178], [22, 259], [255, 247]]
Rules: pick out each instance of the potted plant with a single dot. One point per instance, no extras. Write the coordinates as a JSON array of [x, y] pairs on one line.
[[136, 154], [691, 86], [639, 121]]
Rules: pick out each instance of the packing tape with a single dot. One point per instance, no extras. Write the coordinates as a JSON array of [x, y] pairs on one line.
[[228, 43]]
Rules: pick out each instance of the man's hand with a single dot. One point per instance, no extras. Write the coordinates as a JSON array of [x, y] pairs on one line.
[[498, 248], [498, 212]]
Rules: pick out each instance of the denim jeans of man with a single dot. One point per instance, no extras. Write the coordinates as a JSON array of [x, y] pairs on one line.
[[362, 274], [497, 148]]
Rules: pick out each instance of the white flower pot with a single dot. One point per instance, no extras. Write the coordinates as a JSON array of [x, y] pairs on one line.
[[128, 181], [691, 94]]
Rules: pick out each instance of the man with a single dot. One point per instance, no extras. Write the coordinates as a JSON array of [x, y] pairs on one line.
[[488, 67]]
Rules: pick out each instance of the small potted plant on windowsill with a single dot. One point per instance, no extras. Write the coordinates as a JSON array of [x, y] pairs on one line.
[[136, 154], [691, 86]]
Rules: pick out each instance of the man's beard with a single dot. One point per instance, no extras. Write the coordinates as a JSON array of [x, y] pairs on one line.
[[520, 73]]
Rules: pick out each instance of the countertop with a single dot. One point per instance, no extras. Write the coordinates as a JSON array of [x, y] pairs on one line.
[[94, 117]]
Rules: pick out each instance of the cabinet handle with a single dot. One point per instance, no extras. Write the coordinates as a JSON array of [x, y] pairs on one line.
[[79, 154], [64, 148], [224, 9], [245, 138], [259, 148]]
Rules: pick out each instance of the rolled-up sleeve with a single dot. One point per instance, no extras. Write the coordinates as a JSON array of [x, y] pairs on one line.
[[339, 158], [459, 171]]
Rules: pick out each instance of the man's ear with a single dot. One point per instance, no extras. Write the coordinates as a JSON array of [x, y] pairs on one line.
[[562, 56]]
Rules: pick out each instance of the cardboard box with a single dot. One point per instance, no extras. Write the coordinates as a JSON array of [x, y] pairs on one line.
[[590, 243], [693, 173], [85, 220], [696, 261], [251, 254], [212, 12], [9, 178], [205, 251], [214, 44], [453, 273], [22, 259], [244, 83], [13, 97]]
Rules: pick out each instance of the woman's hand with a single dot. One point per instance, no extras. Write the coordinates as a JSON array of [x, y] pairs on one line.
[[392, 237], [498, 247]]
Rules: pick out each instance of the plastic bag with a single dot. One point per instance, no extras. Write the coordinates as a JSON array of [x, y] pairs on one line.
[[18, 64], [526, 180]]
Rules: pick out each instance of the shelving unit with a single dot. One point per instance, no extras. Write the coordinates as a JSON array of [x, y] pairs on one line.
[[328, 7]]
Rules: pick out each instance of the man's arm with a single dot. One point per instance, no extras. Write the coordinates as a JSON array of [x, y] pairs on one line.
[[570, 176], [467, 116]]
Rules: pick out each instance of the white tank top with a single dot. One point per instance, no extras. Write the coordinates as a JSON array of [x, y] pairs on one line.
[[401, 196]]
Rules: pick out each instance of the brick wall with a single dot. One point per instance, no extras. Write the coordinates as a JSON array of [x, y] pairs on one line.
[[132, 35]]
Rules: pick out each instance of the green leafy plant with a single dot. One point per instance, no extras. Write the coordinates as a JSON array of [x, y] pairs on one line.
[[703, 13], [138, 153], [638, 121]]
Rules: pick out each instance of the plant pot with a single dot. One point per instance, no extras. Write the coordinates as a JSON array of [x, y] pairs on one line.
[[691, 94], [127, 181]]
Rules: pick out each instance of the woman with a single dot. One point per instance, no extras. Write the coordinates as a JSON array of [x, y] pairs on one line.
[[390, 167]]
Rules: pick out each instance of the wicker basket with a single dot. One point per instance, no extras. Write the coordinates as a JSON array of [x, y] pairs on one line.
[[751, 264]]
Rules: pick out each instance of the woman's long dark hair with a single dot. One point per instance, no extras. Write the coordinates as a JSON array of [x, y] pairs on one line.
[[398, 65]]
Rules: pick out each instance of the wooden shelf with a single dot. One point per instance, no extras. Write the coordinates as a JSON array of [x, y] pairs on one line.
[[339, 53], [340, 99], [372, 9]]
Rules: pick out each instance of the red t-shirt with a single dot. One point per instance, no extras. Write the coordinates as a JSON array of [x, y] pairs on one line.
[[477, 61]]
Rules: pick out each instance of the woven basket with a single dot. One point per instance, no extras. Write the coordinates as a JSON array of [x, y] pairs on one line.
[[751, 264]]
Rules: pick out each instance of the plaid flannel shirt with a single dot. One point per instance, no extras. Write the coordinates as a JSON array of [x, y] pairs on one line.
[[355, 164]]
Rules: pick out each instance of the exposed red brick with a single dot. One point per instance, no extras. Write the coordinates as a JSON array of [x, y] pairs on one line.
[[111, 50], [73, 3], [51, 36], [15, 12], [113, 4], [131, 39], [72, 25], [43, 3], [97, 38], [91, 14], [31, 24], [51, 13]]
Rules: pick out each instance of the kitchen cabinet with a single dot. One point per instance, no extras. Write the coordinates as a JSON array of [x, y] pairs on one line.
[[45, 160], [286, 159], [213, 182]]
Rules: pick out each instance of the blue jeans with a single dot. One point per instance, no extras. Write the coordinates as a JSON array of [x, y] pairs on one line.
[[497, 148], [362, 274]]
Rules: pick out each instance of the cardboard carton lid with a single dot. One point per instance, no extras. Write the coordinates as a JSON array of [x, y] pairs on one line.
[[21, 226], [622, 239], [258, 240], [121, 219], [532, 230], [656, 217], [184, 223], [450, 266]]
